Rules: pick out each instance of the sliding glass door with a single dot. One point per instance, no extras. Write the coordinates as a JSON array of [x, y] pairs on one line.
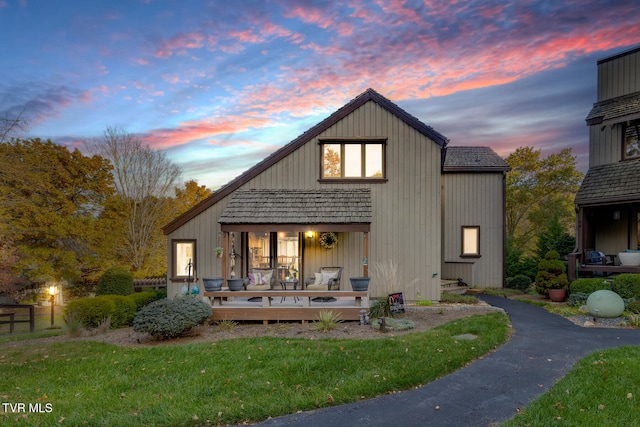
[[279, 250]]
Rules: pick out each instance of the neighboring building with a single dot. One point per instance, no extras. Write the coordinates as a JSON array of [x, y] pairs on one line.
[[379, 179], [608, 202]]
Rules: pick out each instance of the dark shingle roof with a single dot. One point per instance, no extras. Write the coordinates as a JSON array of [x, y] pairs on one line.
[[473, 159], [614, 108], [330, 206], [616, 182]]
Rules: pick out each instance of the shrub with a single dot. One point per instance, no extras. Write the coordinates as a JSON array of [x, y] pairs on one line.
[[115, 281], [627, 286], [634, 307], [588, 286], [519, 282], [327, 320], [123, 312], [551, 274], [380, 308], [578, 299], [392, 324], [143, 298], [171, 318], [89, 312]]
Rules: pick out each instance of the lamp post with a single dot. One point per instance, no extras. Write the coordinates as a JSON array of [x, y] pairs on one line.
[[52, 292]]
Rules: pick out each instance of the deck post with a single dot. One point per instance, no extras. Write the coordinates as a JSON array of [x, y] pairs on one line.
[[365, 262], [225, 251]]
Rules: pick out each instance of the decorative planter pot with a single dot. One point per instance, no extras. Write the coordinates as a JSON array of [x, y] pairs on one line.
[[212, 283], [557, 295], [235, 284], [359, 283], [629, 258]]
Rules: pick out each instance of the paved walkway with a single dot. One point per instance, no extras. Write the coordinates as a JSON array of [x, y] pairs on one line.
[[542, 350]]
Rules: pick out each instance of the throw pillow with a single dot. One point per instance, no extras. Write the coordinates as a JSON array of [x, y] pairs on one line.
[[265, 279], [327, 276], [254, 278], [318, 279]]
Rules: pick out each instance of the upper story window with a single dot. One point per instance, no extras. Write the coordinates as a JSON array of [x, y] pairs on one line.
[[351, 160], [631, 142]]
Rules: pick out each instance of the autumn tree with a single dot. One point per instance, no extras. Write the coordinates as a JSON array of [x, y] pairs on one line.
[[538, 190], [11, 126], [144, 179], [189, 196], [50, 199]]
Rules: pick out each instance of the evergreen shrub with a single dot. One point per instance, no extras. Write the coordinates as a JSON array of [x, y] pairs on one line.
[[627, 286], [143, 298], [115, 281], [588, 286], [123, 312], [89, 312], [551, 274], [519, 282], [634, 307], [578, 299], [171, 318]]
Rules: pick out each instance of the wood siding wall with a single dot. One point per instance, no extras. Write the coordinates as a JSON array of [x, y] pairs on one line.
[[406, 209], [471, 199], [616, 77]]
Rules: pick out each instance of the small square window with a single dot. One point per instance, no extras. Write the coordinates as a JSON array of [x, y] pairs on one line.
[[470, 241], [184, 258]]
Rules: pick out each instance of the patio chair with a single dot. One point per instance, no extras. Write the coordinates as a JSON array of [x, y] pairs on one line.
[[327, 280], [593, 257], [261, 279]]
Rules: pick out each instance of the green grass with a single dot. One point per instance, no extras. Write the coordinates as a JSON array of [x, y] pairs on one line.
[[602, 390], [450, 298], [231, 381]]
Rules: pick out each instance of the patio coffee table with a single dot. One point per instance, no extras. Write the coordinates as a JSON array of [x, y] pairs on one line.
[[286, 282]]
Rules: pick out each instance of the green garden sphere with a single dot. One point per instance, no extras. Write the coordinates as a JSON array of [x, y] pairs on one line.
[[604, 303]]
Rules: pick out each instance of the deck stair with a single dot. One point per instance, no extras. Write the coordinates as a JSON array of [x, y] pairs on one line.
[[453, 286]]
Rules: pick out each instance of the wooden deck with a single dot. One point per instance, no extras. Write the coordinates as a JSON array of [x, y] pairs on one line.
[[284, 305], [575, 260]]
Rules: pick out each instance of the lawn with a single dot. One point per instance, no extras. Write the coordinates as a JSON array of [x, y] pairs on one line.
[[227, 382]]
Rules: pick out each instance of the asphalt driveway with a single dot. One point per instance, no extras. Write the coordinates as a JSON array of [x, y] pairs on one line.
[[543, 348]]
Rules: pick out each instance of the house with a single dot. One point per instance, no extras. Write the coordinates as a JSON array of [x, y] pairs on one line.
[[383, 183], [608, 202]]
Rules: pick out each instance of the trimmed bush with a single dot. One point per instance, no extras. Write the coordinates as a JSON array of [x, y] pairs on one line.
[[551, 274], [123, 312], [634, 307], [519, 282], [171, 318], [627, 286], [588, 286], [115, 281], [143, 298], [89, 312]]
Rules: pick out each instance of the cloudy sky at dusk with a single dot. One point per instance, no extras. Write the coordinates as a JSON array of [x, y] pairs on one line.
[[220, 84]]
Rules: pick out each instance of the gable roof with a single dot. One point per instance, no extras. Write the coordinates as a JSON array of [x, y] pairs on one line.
[[354, 104], [610, 183], [615, 110], [298, 207], [473, 159]]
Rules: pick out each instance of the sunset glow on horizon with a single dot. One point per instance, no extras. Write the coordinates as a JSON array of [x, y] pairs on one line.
[[219, 86]]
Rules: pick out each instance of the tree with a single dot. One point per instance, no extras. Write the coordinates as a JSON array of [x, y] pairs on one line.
[[537, 190], [144, 179], [189, 196], [50, 199], [11, 126]]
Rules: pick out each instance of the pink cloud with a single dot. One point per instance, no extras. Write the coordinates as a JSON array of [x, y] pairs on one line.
[[179, 44]]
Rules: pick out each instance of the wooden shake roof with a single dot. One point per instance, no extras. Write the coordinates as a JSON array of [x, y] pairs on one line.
[[473, 159], [357, 102], [610, 184], [615, 110]]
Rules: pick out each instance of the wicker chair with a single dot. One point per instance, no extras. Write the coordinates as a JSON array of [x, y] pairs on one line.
[[266, 286], [333, 284]]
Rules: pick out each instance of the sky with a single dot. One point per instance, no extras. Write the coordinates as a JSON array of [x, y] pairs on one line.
[[218, 85]]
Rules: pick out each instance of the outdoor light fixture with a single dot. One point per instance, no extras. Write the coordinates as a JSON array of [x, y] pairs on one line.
[[309, 234], [52, 292], [616, 215]]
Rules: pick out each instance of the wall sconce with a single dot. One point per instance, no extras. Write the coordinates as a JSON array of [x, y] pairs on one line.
[[309, 234], [616, 215]]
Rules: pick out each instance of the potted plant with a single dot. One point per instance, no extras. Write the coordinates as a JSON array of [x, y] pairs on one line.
[[360, 283], [551, 279], [212, 283], [218, 252]]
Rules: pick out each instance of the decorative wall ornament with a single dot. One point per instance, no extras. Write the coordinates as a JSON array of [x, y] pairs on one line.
[[328, 240]]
